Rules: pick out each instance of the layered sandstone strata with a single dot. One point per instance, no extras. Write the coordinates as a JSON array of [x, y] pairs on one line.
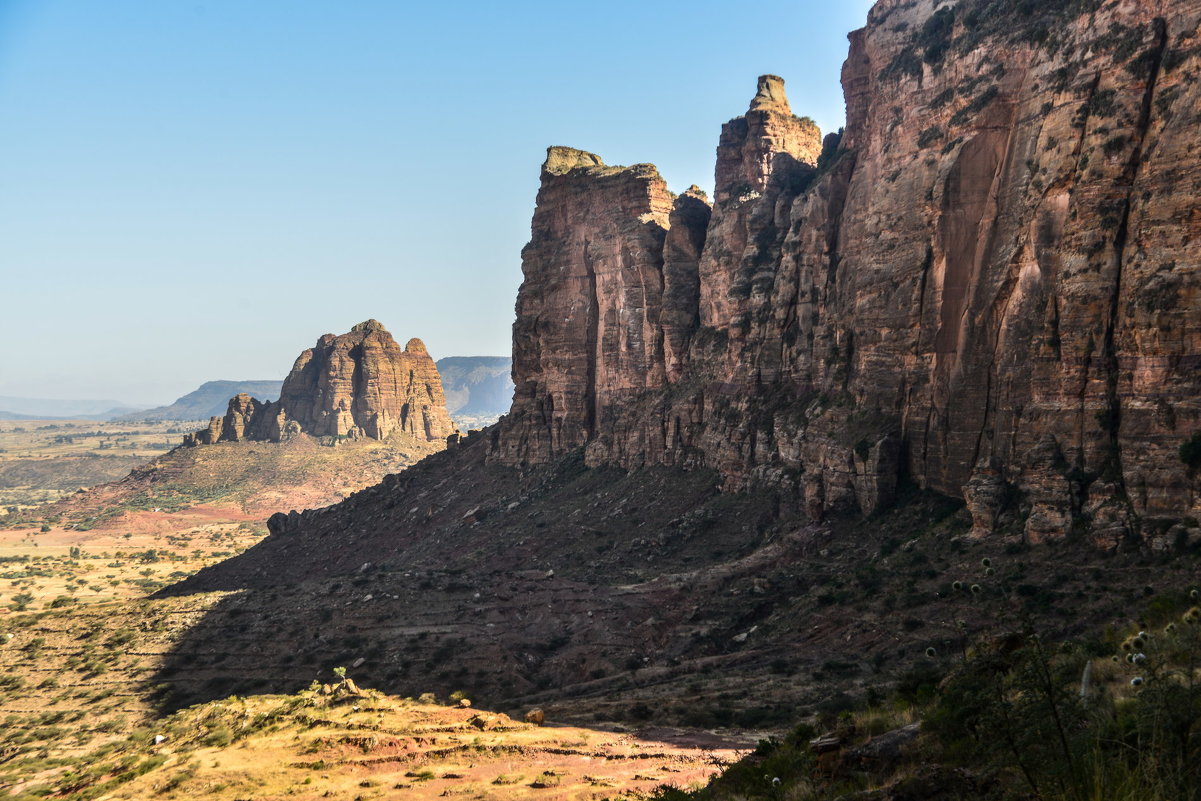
[[588, 332], [761, 156], [988, 285], [359, 384]]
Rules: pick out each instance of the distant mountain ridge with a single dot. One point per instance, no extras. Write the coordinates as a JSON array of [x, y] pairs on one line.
[[477, 385], [208, 400], [14, 408]]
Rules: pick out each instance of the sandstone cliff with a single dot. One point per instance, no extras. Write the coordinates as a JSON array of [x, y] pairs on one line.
[[359, 384], [989, 284]]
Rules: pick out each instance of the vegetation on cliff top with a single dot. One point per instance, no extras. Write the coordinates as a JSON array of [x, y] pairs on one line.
[[1030, 21]]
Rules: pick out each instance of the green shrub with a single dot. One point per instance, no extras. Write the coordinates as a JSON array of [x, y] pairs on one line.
[[1114, 144], [935, 36], [930, 136], [1102, 103], [1190, 451], [1019, 706], [219, 736]]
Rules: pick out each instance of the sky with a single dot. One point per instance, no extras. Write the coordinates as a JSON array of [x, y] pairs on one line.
[[194, 190]]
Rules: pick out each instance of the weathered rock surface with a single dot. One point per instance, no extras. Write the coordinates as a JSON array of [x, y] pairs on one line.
[[763, 157], [682, 247], [588, 335], [989, 285], [359, 384]]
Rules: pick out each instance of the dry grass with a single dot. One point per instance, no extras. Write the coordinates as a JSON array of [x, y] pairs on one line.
[[59, 568], [80, 721]]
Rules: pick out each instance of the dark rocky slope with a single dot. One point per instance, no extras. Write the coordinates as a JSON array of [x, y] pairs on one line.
[[603, 594]]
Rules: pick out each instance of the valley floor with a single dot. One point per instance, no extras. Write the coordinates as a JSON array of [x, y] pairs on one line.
[[45, 460]]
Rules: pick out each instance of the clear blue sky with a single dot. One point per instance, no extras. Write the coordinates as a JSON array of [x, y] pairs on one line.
[[197, 189]]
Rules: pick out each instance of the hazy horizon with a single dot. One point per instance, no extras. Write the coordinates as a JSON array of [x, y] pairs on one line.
[[198, 191]]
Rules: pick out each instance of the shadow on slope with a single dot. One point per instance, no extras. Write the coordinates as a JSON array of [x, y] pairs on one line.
[[456, 575], [605, 595]]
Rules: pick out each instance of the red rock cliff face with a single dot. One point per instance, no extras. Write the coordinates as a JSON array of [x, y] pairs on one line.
[[588, 334], [359, 384], [991, 285], [760, 156]]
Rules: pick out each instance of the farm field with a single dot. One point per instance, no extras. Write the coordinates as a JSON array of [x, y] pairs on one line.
[[45, 460]]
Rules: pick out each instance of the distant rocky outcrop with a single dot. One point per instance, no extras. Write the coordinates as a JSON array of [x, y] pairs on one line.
[[473, 385], [210, 399], [359, 384]]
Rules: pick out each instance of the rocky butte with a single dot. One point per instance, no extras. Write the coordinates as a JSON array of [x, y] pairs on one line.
[[360, 384], [383, 408]]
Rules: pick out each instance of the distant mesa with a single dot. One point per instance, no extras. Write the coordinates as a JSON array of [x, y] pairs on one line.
[[210, 399], [16, 408], [357, 385]]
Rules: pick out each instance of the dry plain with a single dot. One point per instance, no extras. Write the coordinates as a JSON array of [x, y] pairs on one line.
[[83, 648], [44, 460]]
